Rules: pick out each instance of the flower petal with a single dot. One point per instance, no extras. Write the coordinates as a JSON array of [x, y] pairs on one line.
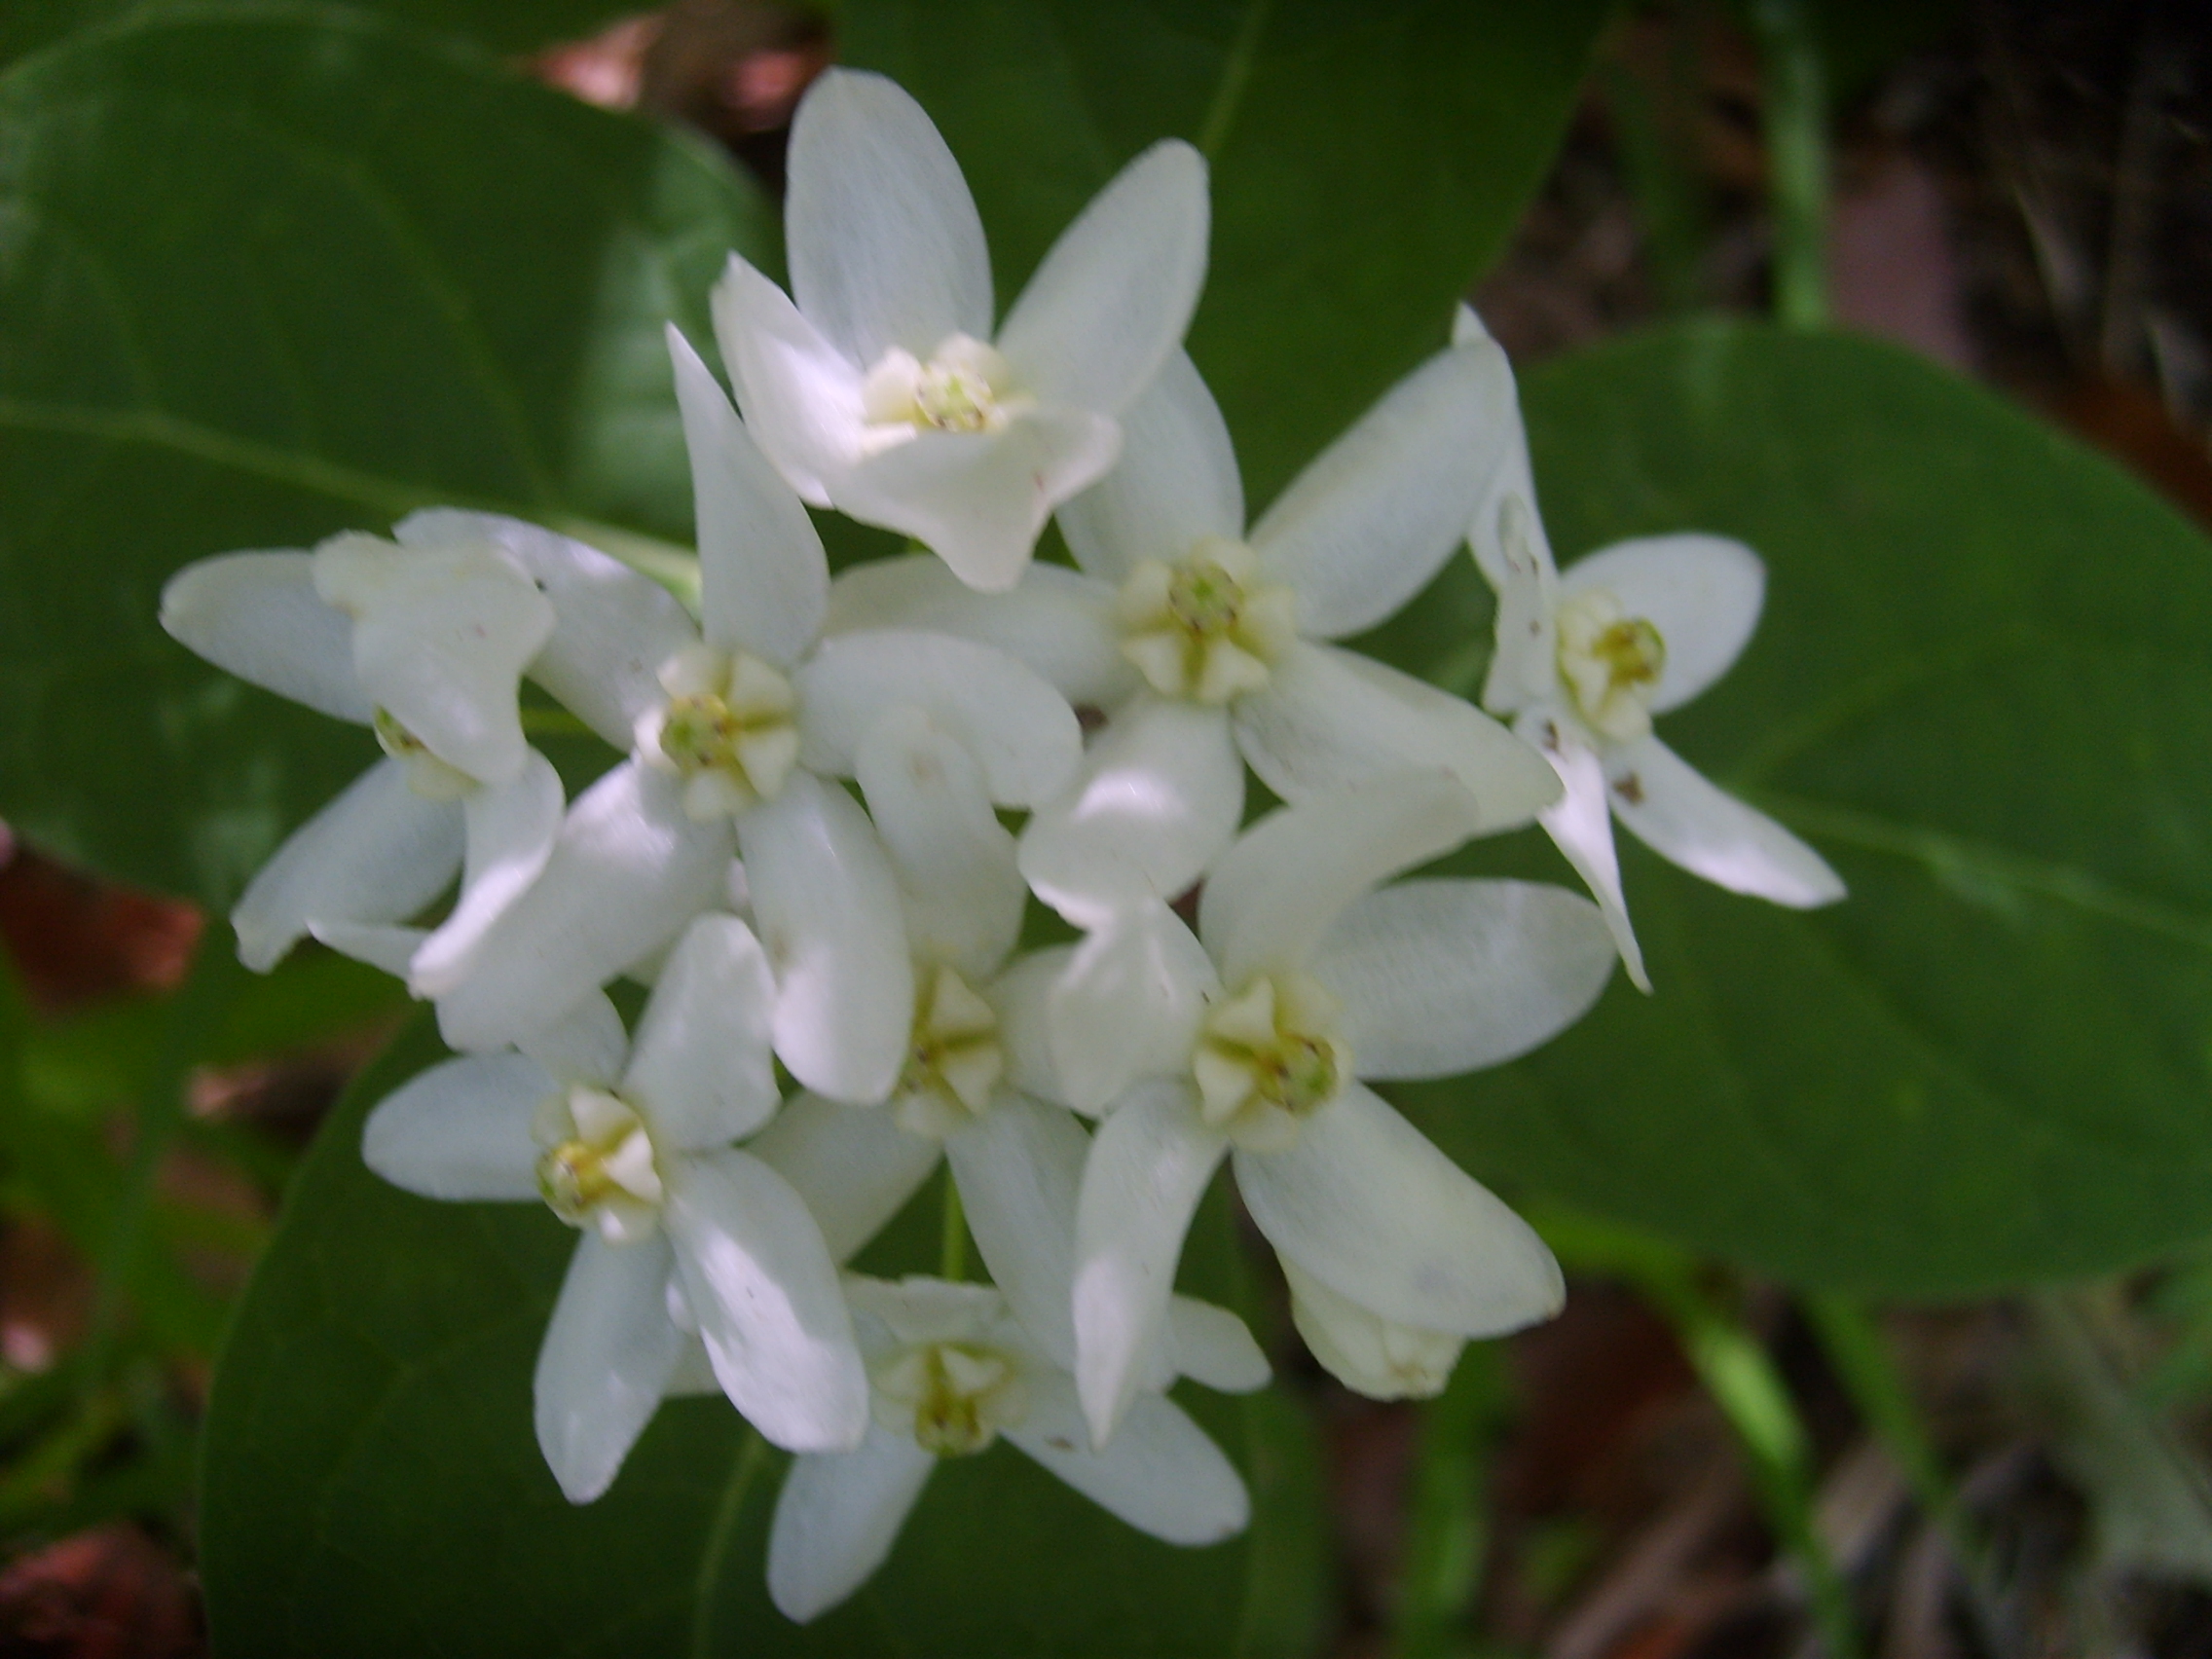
[[1364, 527], [828, 909], [1161, 1473], [1687, 820], [1022, 995], [1364, 1203], [1508, 478], [1148, 1168], [1128, 1005], [509, 833], [385, 947], [1019, 1168], [799, 394], [1114, 295], [462, 1130], [953, 859], [885, 245], [378, 853], [1703, 593], [1582, 829], [628, 869], [258, 616], [760, 1282], [1438, 977], [1156, 796], [1367, 1353], [588, 1045], [441, 636], [764, 578], [1175, 485], [1058, 622], [612, 628], [1019, 730], [1271, 897], [1329, 718], [977, 499], [854, 1166], [836, 1518], [608, 1352], [1212, 1346], [701, 1069]]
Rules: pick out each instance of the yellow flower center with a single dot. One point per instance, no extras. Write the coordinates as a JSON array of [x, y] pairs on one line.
[[1268, 1058], [965, 387], [952, 1397], [597, 1170], [954, 1058], [1206, 629], [1610, 663], [728, 728]]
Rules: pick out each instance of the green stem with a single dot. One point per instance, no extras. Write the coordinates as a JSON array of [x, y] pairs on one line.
[[1448, 1528], [1795, 119], [952, 1245], [675, 568]]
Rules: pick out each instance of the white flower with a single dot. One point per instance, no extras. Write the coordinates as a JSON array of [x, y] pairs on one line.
[[883, 392], [424, 640], [1369, 1354], [1587, 656], [951, 1370], [733, 726], [1246, 1039], [1207, 643], [630, 1144]]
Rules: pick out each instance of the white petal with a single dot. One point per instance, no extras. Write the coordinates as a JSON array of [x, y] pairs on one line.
[[760, 1282], [1364, 527], [953, 859], [1508, 479], [460, 1130], [1023, 998], [1687, 820], [589, 1044], [854, 1166], [1582, 829], [763, 580], [701, 1068], [885, 245], [378, 853], [1175, 485], [977, 499], [385, 947], [1129, 1006], [441, 636], [510, 831], [1367, 1353], [1157, 797], [1058, 622], [1148, 1168], [1328, 718], [627, 871], [1273, 896], [612, 628], [258, 616], [606, 1358], [1019, 1168], [801, 395], [828, 911], [1021, 731], [1438, 977], [1212, 1346], [837, 1519], [1113, 297], [1161, 1473], [1364, 1203], [1703, 593]]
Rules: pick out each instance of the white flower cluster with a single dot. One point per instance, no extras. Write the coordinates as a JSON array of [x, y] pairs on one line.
[[803, 856]]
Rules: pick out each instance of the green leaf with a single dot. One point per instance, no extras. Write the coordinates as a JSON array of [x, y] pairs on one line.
[[1368, 160], [272, 272], [372, 1485], [1982, 688]]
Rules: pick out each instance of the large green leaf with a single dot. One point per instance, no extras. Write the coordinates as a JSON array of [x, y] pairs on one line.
[[372, 1487], [1983, 689], [1367, 161], [267, 272]]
